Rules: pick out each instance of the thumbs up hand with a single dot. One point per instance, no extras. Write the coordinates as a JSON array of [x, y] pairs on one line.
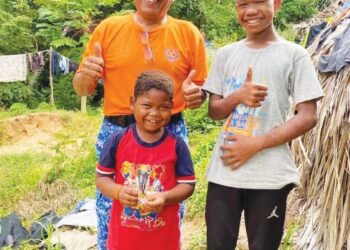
[[252, 94], [93, 65], [192, 93]]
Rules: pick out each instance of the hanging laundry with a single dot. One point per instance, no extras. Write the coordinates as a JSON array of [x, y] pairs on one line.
[[13, 68], [63, 64], [36, 61], [73, 66], [66, 70], [54, 62]]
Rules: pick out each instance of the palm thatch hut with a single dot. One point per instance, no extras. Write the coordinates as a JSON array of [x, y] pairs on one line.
[[323, 154]]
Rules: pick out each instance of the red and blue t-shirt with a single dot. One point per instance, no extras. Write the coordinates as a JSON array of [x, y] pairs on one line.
[[149, 167]]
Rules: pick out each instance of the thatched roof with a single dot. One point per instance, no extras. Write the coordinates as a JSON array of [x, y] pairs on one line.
[[323, 156], [329, 11]]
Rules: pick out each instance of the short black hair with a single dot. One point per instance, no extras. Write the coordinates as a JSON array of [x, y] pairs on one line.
[[153, 79]]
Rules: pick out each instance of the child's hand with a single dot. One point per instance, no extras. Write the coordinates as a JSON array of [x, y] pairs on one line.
[[128, 196], [252, 94], [237, 153], [155, 202]]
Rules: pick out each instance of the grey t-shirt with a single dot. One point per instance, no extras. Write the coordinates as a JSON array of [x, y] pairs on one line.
[[291, 79]]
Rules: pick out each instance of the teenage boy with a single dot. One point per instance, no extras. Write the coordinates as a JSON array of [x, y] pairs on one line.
[[251, 84], [147, 170]]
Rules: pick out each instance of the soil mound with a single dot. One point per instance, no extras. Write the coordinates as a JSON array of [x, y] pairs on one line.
[[29, 132]]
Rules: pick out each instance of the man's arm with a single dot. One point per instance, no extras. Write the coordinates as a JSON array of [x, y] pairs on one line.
[[244, 147], [84, 85]]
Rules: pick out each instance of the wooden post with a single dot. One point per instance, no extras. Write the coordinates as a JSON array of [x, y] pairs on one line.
[[52, 101], [83, 104]]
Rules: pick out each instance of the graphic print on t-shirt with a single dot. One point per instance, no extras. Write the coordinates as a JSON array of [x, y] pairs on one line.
[[243, 120], [146, 179]]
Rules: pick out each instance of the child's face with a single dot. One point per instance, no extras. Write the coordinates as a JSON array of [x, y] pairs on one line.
[[256, 16], [152, 110]]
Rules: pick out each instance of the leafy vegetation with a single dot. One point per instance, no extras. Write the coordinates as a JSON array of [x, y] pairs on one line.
[[35, 25]]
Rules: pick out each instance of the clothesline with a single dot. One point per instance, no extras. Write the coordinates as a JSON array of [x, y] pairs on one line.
[[16, 67]]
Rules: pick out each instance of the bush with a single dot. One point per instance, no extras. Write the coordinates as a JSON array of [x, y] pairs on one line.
[[295, 11], [64, 95], [66, 98], [15, 92], [18, 108], [198, 120], [44, 106]]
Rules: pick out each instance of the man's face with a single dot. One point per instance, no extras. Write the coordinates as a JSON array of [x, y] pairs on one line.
[[256, 16], [152, 8]]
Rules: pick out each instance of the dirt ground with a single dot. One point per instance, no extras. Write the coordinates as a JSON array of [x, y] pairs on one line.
[[32, 132]]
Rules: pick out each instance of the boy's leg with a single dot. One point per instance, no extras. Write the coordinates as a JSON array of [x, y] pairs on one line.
[[264, 212], [223, 215], [103, 203]]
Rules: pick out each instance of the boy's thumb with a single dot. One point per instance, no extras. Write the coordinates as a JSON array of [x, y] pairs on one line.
[[249, 76], [98, 50]]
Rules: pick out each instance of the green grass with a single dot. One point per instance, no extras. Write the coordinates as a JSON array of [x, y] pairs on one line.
[[201, 145], [75, 154], [287, 241], [71, 161], [69, 167], [18, 175]]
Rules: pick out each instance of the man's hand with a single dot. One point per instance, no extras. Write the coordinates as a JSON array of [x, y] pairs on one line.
[[194, 96], [85, 80], [128, 196], [252, 94], [93, 65], [240, 150], [155, 202]]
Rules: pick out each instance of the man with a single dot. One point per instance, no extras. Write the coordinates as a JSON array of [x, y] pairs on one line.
[[120, 48]]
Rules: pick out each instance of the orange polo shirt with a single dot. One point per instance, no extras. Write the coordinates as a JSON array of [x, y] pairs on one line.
[[176, 48]]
